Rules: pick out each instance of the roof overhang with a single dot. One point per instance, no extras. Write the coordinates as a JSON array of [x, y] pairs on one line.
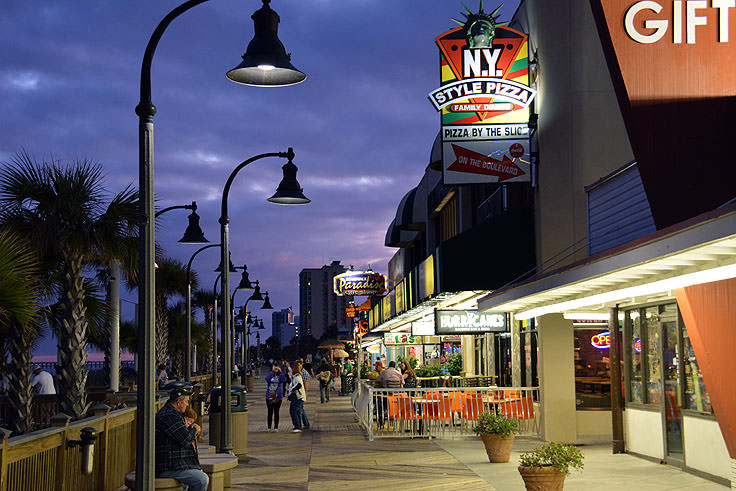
[[648, 269], [466, 300]]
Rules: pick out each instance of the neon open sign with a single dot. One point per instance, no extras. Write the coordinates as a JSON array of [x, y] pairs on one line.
[[602, 340]]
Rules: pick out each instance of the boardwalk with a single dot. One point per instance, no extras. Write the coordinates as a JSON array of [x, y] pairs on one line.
[[334, 454]]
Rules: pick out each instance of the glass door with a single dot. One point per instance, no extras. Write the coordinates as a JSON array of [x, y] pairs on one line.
[[503, 359], [672, 370]]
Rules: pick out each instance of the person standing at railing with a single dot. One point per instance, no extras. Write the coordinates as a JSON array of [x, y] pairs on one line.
[[43, 381]]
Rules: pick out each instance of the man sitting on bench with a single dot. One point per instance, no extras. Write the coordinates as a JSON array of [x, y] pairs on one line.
[[176, 454]]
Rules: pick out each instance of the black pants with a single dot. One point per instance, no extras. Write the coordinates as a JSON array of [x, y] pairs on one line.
[[273, 413]]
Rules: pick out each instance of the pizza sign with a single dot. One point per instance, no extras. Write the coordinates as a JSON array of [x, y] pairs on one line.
[[484, 101]]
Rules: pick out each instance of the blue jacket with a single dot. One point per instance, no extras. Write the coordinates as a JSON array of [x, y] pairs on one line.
[[275, 385]]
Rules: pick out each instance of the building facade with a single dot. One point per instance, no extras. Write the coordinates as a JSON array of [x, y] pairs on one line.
[[321, 312], [625, 315]]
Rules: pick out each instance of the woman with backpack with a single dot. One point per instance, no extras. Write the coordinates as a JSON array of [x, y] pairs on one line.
[[275, 384]]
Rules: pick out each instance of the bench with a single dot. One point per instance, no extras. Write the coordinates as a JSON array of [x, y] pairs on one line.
[[218, 466], [206, 449], [159, 483]]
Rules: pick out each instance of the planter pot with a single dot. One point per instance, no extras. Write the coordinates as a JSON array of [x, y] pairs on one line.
[[545, 478], [498, 448]]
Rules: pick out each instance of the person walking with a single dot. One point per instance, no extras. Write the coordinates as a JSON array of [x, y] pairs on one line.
[[324, 382], [296, 398], [275, 386]]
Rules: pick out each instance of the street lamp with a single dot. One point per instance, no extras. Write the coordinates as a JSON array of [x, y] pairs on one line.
[[193, 234], [188, 352], [288, 192], [274, 72]]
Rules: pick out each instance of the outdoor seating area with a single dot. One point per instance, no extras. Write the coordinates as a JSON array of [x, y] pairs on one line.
[[446, 412]]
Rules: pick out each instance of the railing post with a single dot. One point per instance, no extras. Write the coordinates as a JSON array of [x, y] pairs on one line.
[[4, 434], [369, 423], [61, 419]]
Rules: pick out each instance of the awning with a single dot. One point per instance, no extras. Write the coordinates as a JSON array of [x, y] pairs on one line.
[[466, 300], [435, 155], [696, 251], [396, 237]]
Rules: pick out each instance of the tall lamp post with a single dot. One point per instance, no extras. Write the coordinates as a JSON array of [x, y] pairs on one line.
[[288, 192], [188, 352], [265, 62]]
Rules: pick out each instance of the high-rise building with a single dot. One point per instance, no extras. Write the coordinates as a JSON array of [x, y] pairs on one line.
[[284, 325], [321, 311]]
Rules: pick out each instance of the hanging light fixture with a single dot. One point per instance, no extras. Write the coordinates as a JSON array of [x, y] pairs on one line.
[[193, 234], [257, 293], [267, 303], [218, 269], [245, 283], [265, 62], [289, 191]]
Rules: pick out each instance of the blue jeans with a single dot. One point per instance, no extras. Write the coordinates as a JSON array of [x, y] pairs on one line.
[[190, 479], [303, 415], [295, 410], [324, 392]]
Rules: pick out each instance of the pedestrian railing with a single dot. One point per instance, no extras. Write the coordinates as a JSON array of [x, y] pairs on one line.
[[447, 412]]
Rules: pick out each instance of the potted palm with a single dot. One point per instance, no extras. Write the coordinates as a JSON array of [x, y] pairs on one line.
[[497, 433], [545, 467]]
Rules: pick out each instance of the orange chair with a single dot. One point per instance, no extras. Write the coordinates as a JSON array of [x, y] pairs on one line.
[[456, 401], [473, 406]]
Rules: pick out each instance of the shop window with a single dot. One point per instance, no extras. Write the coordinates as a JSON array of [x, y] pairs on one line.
[[660, 362], [529, 374], [654, 355], [634, 355], [696, 397], [592, 368]]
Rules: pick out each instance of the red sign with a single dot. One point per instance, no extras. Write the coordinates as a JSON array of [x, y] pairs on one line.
[[476, 163], [516, 150]]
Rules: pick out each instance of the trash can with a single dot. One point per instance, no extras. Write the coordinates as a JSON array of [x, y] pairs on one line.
[[239, 409]]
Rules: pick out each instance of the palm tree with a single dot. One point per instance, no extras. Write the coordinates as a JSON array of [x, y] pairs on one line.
[[61, 210], [19, 323], [171, 281], [205, 299]]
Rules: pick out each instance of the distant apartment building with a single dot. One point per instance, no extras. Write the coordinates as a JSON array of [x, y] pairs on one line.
[[320, 310], [284, 326]]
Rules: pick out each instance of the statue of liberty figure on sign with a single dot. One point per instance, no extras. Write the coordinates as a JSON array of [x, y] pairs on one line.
[[481, 27]]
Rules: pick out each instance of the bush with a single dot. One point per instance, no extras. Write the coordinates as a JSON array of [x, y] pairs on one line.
[[429, 371], [492, 423], [559, 455], [454, 363]]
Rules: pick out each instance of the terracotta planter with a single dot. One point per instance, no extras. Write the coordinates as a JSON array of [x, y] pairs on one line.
[[498, 448], [542, 478]]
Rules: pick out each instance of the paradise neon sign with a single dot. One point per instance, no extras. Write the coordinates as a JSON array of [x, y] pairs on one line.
[[602, 340]]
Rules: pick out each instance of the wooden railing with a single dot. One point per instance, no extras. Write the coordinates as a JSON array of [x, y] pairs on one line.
[[41, 460]]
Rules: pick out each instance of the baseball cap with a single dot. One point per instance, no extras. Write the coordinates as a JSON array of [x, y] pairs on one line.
[[177, 392]]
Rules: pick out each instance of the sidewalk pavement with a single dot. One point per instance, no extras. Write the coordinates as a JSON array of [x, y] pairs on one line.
[[335, 454]]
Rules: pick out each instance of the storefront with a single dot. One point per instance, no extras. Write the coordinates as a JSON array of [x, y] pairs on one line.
[[667, 301]]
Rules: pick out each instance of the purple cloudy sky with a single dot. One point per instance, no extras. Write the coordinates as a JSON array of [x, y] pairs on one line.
[[361, 124]]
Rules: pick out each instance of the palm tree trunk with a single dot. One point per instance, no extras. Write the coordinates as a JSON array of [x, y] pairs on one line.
[[107, 365], [162, 331], [19, 380], [73, 341]]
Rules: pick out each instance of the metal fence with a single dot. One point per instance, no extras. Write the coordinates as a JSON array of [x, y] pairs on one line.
[[448, 412]]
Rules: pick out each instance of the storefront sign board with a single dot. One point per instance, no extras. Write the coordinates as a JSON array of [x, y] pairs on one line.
[[484, 96], [359, 283], [469, 322], [401, 338]]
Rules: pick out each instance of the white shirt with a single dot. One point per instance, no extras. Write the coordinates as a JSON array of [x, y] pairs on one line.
[[45, 382], [296, 380]]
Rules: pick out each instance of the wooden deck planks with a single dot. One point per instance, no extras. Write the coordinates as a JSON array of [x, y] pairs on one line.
[[335, 454]]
